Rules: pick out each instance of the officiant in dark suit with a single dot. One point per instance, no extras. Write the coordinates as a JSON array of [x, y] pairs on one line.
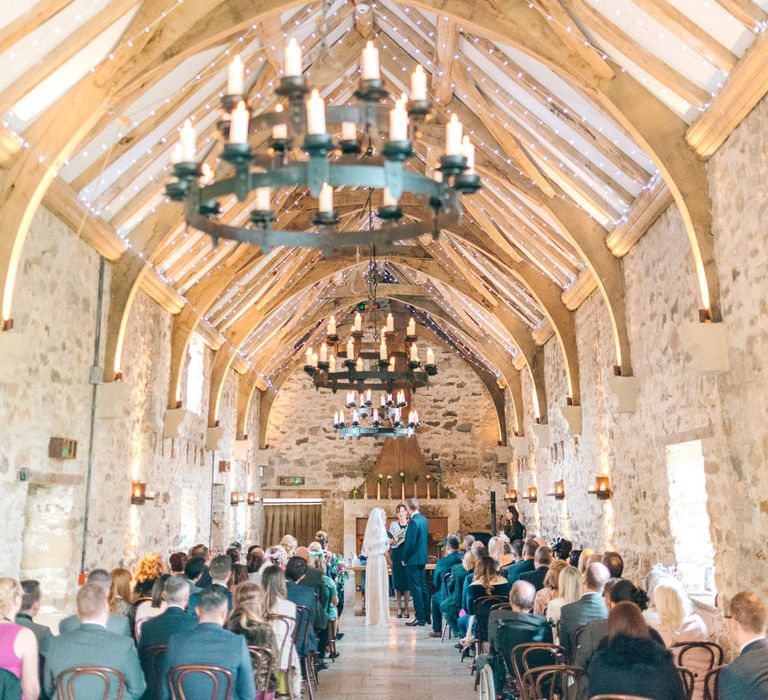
[[415, 559]]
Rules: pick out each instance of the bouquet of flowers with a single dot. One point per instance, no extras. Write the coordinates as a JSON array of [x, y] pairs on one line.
[[337, 569]]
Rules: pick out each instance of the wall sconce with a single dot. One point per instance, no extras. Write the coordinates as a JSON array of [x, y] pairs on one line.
[[602, 487], [511, 496], [139, 493], [251, 499], [224, 466], [559, 490], [532, 495], [235, 498]]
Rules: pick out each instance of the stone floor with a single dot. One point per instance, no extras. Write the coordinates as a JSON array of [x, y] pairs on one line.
[[394, 664]]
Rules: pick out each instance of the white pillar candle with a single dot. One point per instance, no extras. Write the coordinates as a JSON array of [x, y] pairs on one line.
[[468, 151], [367, 397], [418, 84], [314, 359], [390, 323], [316, 114], [411, 330], [375, 415], [323, 353], [279, 131], [430, 356], [437, 176], [414, 353], [359, 364], [177, 154], [332, 325], [325, 200], [206, 178], [391, 367], [355, 417], [383, 401], [370, 62], [263, 198], [348, 131], [309, 356], [358, 322], [388, 201], [350, 349], [188, 141], [335, 417], [453, 134], [293, 63], [383, 350], [332, 363], [238, 127], [235, 76], [342, 419], [398, 122], [362, 399]]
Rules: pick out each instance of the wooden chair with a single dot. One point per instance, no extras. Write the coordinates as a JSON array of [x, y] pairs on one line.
[[689, 681], [65, 682], [152, 658], [619, 697], [286, 626], [301, 640], [710, 683], [526, 658], [179, 675], [697, 657], [551, 682], [446, 627], [263, 662]]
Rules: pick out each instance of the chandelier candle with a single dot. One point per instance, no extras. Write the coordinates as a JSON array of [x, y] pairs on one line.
[[309, 357], [332, 363], [359, 364], [316, 114], [398, 122], [418, 84], [263, 198], [370, 62], [453, 134], [383, 350], [430, 356], [468, 151], [414, 353], [350, 349], [358, 323], [206, 178], [332, 326], [323, 353], [388, 201], [390, 323], [279, 131], [177, 154], [238, 128], [348, 131], [325, 200], [293, 62], [188, 139], [411, 330], [235, 76]]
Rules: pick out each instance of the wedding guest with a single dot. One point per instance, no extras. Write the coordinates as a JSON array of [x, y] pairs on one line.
[[590, 606], [317, 560], [313, 577], [513, 528], [120, 594], [549, 591], [677, 621], [119, 624], [399, 578], [568, 591], [289, 544], [202, 552], [19, 653], [451, 606], [614, 563], [92, 644], [276, 603], [444, 566], [468, 541], [254, 563], [194, 570], [220, 570], [631, 663], [240, 575], [306, 637], [525, 564], [274, 556], [147, 572], [247, 619], [584, 558], [154, 606], [747, 675], [234, 554], [562, 549], [541, 560], [30, 605], [485, 582], [176, 563], [211, 645]]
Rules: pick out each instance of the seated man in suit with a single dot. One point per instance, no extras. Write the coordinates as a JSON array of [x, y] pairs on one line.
[[542, 561], [295, 573], [30, 605], [119, 624], [158, 630], [508, 628], [444, 565], [92, 644], [747, 675], [313, 579], [614, 563], [209, 644], [590, 607], [451, 606], [526, 564]]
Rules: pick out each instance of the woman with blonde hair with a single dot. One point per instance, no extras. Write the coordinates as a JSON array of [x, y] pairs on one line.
[[584, 559], [18, 645], [273, 556], [678, 623], [550, 590], [247, 619], [281, 613], [150, 568], [568, 591], [120, 595]]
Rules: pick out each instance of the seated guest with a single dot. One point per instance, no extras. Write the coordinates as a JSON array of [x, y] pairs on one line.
[[313, 579], [148, 571], [526, 564], [254, 561], [508, 628], [631, 663], [209, 644], [158, 630], [274, 556], [614, 563], [562, 549], [444, 566], [515, 554], [513, 528], [485, 582], [19, 653], [118, 624], [247, 619], [176, 563], [120, 595], [584, 560], [220, 572], [590, 606], [568, 591], [496, 549], [30, 605], [451, 606], [147, 609], [541, 560], [289, 543], [468, 541], [677, 621], [92, 644], [240, 575], [747, 675], [194, 570], [317, 560], [202, 552], [276, 603], [295, 573], [549, 591]]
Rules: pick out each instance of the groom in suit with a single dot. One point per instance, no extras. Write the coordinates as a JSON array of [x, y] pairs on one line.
[[414, 561]]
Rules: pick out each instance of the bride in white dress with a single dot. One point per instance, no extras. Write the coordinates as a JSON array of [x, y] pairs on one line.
[[375, 549]]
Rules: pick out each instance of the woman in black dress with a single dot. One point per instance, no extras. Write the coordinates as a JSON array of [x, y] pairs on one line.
[[399, 579], [513, 528]]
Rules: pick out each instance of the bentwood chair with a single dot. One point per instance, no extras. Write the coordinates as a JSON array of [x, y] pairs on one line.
[[219, 679], [152, 661], [285, 630], [699, 658], [446, 627], [263, 662], [552, 682], [710, 683], [526, 658], [689, 681], [301, 641], [619, 697], [65, 683]]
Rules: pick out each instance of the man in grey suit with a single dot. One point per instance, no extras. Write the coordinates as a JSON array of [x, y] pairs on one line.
[[747, 675], [118, 624], [590, 607], [91, 644], [30, 605]]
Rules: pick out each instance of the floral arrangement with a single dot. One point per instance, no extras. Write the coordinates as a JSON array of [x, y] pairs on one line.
[[337, 569]]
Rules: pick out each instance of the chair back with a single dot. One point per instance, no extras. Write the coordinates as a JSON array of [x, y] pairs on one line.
[[217, 678], [152, 661], [619, 697], [284, 627], [263, 662], [552, 682], [10, 685], [699, 658], [90, 678], [302, 626], [532, 655], [483, 608], [501, 606], [710, 683], [689, 681]]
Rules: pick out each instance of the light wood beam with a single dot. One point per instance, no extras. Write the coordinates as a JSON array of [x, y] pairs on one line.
[[446, 49], [271, 35], [30, 20], [749, 14]]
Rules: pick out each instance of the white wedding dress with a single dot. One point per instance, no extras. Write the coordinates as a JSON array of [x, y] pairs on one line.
[[375, 547]]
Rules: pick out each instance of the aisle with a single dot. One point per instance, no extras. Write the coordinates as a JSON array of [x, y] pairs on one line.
[[393, 664]]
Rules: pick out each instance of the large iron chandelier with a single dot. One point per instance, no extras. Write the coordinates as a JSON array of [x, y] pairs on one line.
[[297, 154]]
